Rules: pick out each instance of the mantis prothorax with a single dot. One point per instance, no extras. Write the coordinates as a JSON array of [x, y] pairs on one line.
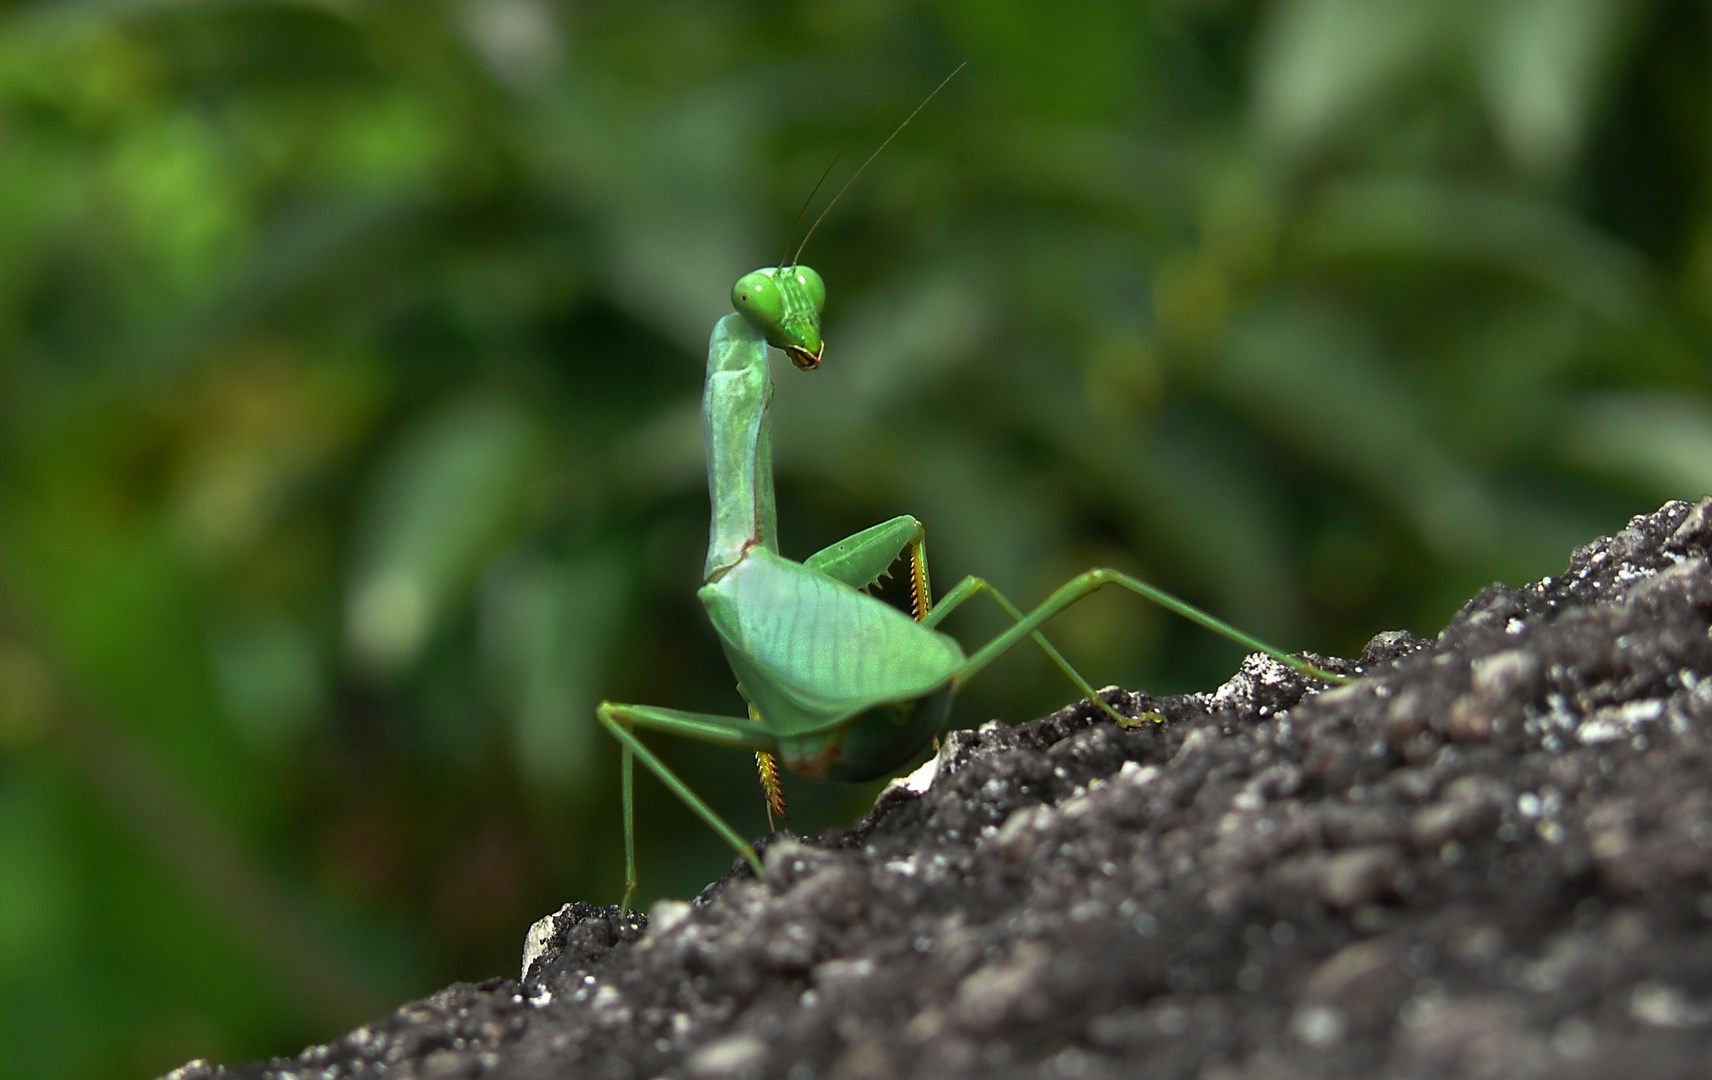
[[841, 686]]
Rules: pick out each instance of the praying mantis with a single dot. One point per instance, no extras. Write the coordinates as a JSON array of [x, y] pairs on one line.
[[841, 686]]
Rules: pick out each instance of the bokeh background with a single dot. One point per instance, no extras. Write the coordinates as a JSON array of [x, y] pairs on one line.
[[350, 355]]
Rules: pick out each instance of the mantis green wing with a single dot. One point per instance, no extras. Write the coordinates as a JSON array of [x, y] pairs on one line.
[[810, 653]]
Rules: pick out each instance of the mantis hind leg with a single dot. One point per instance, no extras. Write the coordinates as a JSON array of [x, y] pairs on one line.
[[1083, 584], [725, 730], [971, 585]]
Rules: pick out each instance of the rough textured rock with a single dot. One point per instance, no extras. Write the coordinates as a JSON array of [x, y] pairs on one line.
[[1491, 856]]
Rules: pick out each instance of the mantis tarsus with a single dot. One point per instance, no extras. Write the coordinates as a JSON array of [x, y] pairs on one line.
[[841, 686]]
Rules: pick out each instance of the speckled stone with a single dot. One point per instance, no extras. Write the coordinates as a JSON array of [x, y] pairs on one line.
[[1490, 856]]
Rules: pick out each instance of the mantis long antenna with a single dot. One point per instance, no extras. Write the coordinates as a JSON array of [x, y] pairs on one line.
[[870, 161], [819, 183]]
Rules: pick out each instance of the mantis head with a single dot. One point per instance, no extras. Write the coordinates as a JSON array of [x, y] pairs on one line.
[[784, 302]]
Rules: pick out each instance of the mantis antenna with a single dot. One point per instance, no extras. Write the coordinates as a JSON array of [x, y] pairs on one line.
[[818, 184], [864, 165]]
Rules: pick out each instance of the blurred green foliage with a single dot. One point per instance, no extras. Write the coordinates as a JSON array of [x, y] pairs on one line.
[[350, 355]]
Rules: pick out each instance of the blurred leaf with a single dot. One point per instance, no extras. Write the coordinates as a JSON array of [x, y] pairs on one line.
[[1542, 60], [1415, 220], [1324, 61], [272, 679], [1069, 59], [1310, 376], [36, 903], [257, 428], [440, 503], [549, 627], [1663, 440]]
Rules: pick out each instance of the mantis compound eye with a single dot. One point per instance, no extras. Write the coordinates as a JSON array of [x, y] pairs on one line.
[[756, 297]]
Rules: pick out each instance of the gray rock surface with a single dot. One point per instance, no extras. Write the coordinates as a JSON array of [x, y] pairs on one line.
[[1491, 856]]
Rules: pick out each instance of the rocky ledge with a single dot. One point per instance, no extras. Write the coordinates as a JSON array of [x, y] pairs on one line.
[[1491, 855]]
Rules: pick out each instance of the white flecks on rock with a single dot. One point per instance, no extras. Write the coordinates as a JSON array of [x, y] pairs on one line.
[[1320, 1026], [1502, 674], [1136, 774], [1257, 670], [1007, 990], [664, 917], [608, 1006], [1015, 837], [538, 941], [1630, 573], [1347, 692], [841, 972], [734, 1055], [1618, 721], [922, 778], [1666, 1006]]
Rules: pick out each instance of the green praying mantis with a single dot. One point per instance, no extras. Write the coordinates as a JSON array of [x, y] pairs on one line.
[[841, 686]]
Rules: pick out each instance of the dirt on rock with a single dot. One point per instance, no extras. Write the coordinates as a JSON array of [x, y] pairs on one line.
[[1490, 856]]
